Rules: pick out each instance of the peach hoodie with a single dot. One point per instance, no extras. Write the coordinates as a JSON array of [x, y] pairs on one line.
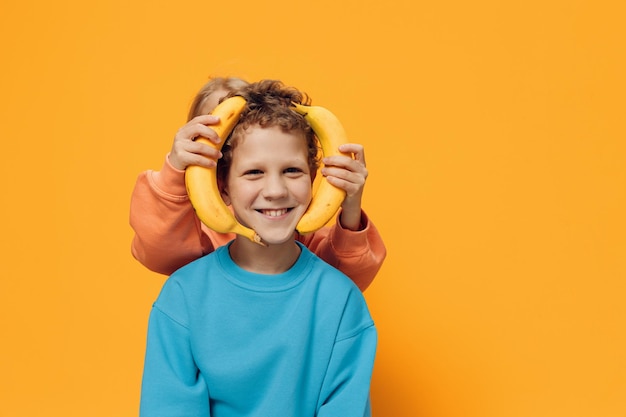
[[169, 235]]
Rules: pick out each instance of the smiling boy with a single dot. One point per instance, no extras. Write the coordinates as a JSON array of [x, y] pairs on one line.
[[253, 330]]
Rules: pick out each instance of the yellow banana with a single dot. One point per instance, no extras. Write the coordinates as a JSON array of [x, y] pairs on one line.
[[328, 198], [201, 182]]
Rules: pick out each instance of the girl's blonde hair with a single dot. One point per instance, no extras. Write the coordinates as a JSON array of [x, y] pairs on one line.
[[229, 84]]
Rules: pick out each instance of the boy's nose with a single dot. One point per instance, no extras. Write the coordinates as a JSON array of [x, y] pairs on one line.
[[274, 188]]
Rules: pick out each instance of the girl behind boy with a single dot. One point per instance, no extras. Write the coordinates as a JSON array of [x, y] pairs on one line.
[[168, 234]]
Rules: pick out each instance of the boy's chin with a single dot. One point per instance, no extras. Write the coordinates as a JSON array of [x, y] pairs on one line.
[[277, 238]]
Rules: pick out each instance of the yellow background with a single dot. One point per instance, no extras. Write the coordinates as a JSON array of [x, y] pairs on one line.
[[496, 142]]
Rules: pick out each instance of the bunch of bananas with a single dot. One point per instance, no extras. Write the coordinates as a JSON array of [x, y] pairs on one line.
[[202, 185]]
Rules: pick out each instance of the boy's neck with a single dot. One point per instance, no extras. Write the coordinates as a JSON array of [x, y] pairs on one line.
[[270, 260]]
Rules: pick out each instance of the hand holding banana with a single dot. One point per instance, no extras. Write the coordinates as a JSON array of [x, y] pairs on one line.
[[204, 193], [187, 151], [349, 174]]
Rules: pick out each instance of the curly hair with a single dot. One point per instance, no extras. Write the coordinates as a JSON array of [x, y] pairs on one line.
[[269, 104]]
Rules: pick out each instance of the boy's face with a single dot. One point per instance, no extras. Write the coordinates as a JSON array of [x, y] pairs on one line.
[[269, 182]]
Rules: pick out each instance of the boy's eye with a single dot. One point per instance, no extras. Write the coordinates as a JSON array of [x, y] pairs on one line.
[[253, 172], [293, 170]]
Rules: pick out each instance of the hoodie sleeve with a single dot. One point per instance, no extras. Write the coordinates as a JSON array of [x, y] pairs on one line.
[[168, 234], [358, 254]]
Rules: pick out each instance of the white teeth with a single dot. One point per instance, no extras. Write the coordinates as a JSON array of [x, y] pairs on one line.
[[274, 213]]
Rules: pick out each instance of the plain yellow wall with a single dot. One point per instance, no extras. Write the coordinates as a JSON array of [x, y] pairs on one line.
[[496, 142]]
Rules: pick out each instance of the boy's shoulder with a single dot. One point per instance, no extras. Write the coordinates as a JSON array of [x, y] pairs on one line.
[[328, 275], [185, 285], [193, 274], [334, 288], [203, 262]]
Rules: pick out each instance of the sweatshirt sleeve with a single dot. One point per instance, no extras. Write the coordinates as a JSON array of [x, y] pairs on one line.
[[168, 234], [171, 384], [346, 388], [358, 254]]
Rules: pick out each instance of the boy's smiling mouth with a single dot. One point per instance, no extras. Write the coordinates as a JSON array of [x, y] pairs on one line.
[[274, 212]]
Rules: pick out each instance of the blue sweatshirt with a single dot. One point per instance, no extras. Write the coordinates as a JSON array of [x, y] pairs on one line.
[[226, 342]]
